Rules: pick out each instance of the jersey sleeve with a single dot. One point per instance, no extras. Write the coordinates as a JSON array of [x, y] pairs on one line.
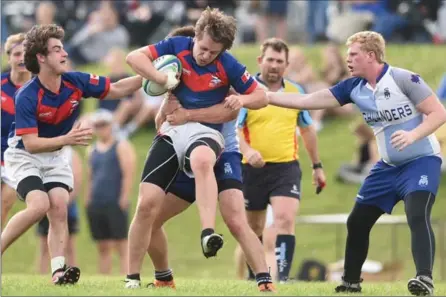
[[304, 119], [164, 47], [412, 85], [442, 89], [25, 115], [241, 119], [91, 85], [342, 90], [239, 78]]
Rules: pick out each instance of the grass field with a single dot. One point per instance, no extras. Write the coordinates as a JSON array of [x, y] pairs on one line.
[[197, 275]]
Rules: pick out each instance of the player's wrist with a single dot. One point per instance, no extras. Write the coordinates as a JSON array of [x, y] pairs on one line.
[[161, 78], [317, 165]]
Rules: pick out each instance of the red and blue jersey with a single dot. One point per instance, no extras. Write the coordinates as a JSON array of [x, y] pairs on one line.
[[204, 86], [39, 110], [8, 110]]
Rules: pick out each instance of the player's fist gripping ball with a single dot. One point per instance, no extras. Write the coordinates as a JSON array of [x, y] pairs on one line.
[[170, 65]]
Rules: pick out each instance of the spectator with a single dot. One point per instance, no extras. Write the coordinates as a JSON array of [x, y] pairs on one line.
[[442, 89], [317, 20], [95, 39], [73, 220], [271, 14], [111, 171]]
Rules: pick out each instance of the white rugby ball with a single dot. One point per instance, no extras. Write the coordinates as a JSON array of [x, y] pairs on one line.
[[164, 63]]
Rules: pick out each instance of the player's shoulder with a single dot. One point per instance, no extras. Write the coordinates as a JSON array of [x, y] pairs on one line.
[[71, 76], [401, 74], [5, 77], [181, 43], [351, 83], [29, 91], [228, 60]]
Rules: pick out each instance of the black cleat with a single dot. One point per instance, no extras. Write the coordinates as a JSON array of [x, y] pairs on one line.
[[66, 275], [211, 244], [421, 285], [349, 287]]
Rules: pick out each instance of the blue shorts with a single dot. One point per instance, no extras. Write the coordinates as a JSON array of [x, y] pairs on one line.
[[228, 172], [386, 185]]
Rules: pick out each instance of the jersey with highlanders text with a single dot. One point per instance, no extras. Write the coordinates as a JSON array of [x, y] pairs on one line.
[[38, 110], [389, 107], [204, 86]]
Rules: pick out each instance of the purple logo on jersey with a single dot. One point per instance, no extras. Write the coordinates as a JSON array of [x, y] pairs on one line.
[[415, 78]]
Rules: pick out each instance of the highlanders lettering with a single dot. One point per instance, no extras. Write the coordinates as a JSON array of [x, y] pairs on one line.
[[388, 115]]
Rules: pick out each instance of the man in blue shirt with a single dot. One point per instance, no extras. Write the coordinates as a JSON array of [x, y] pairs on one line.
[[404, 113]]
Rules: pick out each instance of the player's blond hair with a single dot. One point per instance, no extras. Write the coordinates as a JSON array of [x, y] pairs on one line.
[[370, 42], [12, 41], [220, 27]]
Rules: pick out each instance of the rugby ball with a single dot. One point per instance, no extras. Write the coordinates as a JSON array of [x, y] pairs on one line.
[[164, 63]]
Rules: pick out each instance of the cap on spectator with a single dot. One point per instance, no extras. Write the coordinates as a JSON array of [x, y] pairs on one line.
[[102, 115]]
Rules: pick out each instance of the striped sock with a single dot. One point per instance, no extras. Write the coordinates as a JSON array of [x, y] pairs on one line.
[[165, 276]]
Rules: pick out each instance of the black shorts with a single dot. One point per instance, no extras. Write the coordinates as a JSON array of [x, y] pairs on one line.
[[107, 222], [274, 179], [44, 225]]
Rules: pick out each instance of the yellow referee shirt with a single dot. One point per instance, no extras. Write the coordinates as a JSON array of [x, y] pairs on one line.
[[272, 130]]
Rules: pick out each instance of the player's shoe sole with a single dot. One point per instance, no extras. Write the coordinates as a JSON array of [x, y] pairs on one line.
[[211, 244], [162, 284], [418, 287], [70, 276]]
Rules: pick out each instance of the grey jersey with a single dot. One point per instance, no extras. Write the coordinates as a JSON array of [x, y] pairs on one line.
[[389, 107]]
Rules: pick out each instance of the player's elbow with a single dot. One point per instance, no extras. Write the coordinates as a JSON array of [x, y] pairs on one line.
[[131, 58], [29, 145]]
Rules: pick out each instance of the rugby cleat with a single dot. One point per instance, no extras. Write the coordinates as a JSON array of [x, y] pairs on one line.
[[210, 244], [421, 285], [267, 287], [66, 275], [162, 284], [349, 287], [132, 283]]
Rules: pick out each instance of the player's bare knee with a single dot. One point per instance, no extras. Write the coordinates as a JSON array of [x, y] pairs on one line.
[[284, 223], [148, 206], [38, 202], [202, 159], [58, 213]]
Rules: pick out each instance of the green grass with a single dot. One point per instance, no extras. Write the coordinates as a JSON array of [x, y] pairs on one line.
[[337, 145], [112, 286]]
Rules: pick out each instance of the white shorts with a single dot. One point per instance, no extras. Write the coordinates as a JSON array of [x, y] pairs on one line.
[[153, 101], [50, 167], [184, 136], [5, 178], [269, 216]]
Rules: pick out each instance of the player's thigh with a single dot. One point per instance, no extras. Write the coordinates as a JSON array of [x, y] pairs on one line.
[[172, 206], [24, 171], [8, 196], [256, 220], [379, 187], [422, 174], [161, 165], [57, 170]]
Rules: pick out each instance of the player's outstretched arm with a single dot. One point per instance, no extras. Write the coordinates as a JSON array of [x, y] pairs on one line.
[[318, 100], [256, 100], [124, 87]]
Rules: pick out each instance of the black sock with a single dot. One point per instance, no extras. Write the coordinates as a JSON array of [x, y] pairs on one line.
[[207, 232], [359, 223], [164, 276], [134, 276], [263, 278], [285, 244], [418, 206], [251, 275]]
